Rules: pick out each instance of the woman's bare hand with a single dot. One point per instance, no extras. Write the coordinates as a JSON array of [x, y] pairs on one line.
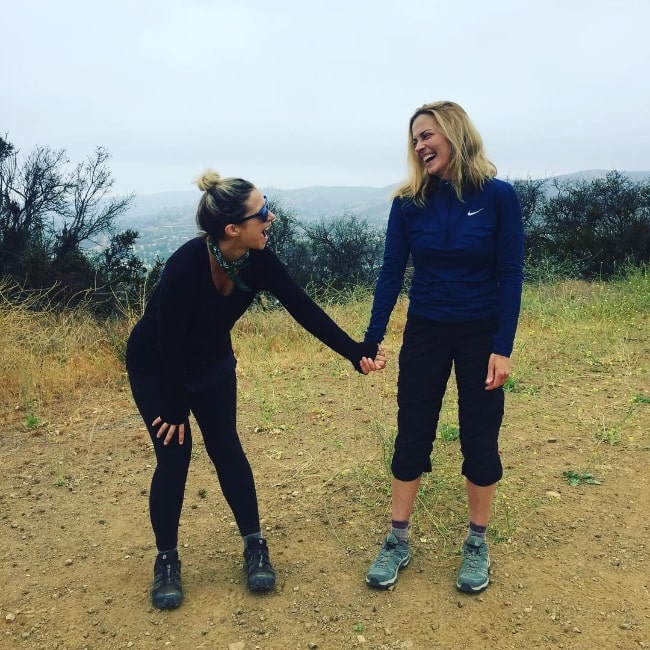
[[498, 371], [169, 430], [378, 363]]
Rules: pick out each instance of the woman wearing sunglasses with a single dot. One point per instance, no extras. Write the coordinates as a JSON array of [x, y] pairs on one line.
[[180, 360]]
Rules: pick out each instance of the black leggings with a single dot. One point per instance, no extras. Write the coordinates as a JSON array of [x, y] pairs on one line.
[[429, 350], [215, 410]]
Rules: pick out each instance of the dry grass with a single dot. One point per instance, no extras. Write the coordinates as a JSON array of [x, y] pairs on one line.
[[571, 334], [47, 357]]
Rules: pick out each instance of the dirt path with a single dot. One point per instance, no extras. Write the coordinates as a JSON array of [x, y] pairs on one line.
[[570, 563]]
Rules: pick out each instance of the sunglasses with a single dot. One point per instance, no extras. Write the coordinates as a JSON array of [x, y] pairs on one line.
[[262, 215]]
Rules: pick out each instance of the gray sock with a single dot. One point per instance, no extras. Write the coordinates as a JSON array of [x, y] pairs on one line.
[[400, 529], [476, 530], [251, 537]]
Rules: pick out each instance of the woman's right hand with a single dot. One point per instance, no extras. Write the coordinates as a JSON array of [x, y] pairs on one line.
[[378, 363], [168, 430]]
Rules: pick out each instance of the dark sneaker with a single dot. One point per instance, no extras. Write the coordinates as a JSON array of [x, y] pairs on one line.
[[393, 556], [260, 573], [166, 590], [475, 567]]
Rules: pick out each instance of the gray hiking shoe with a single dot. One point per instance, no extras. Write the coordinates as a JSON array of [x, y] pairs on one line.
[[393, 556], [475, 567]]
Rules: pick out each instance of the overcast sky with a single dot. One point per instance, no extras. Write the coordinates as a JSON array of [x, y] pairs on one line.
[[295, 93]]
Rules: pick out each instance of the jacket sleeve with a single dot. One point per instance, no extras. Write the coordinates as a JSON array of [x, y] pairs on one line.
[[276, 280], [391, 276], [510, 268]]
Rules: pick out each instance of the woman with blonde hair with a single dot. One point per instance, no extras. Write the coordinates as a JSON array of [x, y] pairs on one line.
[[180, 360], [462, 228]]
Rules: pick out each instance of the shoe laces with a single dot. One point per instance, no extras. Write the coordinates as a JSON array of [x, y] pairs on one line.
[[261, 558], [385, 555], [170, 571], [472, 556], [258, 556]]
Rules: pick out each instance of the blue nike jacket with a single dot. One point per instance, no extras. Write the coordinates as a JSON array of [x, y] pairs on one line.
[[467, 258]]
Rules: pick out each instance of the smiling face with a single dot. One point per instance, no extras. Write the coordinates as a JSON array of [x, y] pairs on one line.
[[253, 232], [431, 146]]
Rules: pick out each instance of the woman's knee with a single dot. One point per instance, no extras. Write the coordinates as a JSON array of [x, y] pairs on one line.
[[483, 471], [407, 469]]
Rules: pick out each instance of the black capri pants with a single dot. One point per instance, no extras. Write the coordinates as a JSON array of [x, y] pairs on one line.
[[429, 350]]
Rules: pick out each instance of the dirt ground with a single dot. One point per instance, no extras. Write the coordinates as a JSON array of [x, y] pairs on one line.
[[570, 562]]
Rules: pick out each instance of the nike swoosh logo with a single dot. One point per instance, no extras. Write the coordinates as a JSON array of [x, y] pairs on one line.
[[471, 214]]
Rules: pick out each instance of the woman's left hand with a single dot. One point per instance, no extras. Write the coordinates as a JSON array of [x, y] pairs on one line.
[[169, 430], [378, 363], [498, 371]]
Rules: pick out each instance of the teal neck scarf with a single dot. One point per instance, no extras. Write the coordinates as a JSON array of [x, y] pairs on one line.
[[231, 268]]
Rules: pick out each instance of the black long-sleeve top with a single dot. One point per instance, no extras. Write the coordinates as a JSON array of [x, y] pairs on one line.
[[184, 333]]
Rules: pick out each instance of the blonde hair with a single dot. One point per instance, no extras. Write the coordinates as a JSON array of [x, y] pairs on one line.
[[223, 202], [469, 165]]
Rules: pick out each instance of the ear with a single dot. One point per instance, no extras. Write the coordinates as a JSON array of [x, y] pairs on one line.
[[232, 230]]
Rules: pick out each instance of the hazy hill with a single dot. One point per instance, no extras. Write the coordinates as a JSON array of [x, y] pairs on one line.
[[166, 219], [592, 174], [318, 202], [315, 202], [307, 202]]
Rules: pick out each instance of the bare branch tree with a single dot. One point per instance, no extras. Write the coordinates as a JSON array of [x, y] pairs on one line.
[[48, 213], [91, 211], [28, 194]]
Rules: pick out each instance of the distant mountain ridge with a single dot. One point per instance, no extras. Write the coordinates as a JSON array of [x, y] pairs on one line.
[[167, 219], [311, 202], [315, 202]]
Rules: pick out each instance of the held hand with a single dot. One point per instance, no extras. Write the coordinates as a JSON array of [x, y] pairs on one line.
[[168, 430], [498, 371], [378, 363]]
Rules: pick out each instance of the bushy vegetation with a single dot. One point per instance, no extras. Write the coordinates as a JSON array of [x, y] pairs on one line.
[[58, 235], [57, 230], [573, 229], [585, 229], [332, 257]]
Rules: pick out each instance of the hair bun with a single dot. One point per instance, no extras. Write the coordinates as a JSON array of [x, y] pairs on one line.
[[208, 180]]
